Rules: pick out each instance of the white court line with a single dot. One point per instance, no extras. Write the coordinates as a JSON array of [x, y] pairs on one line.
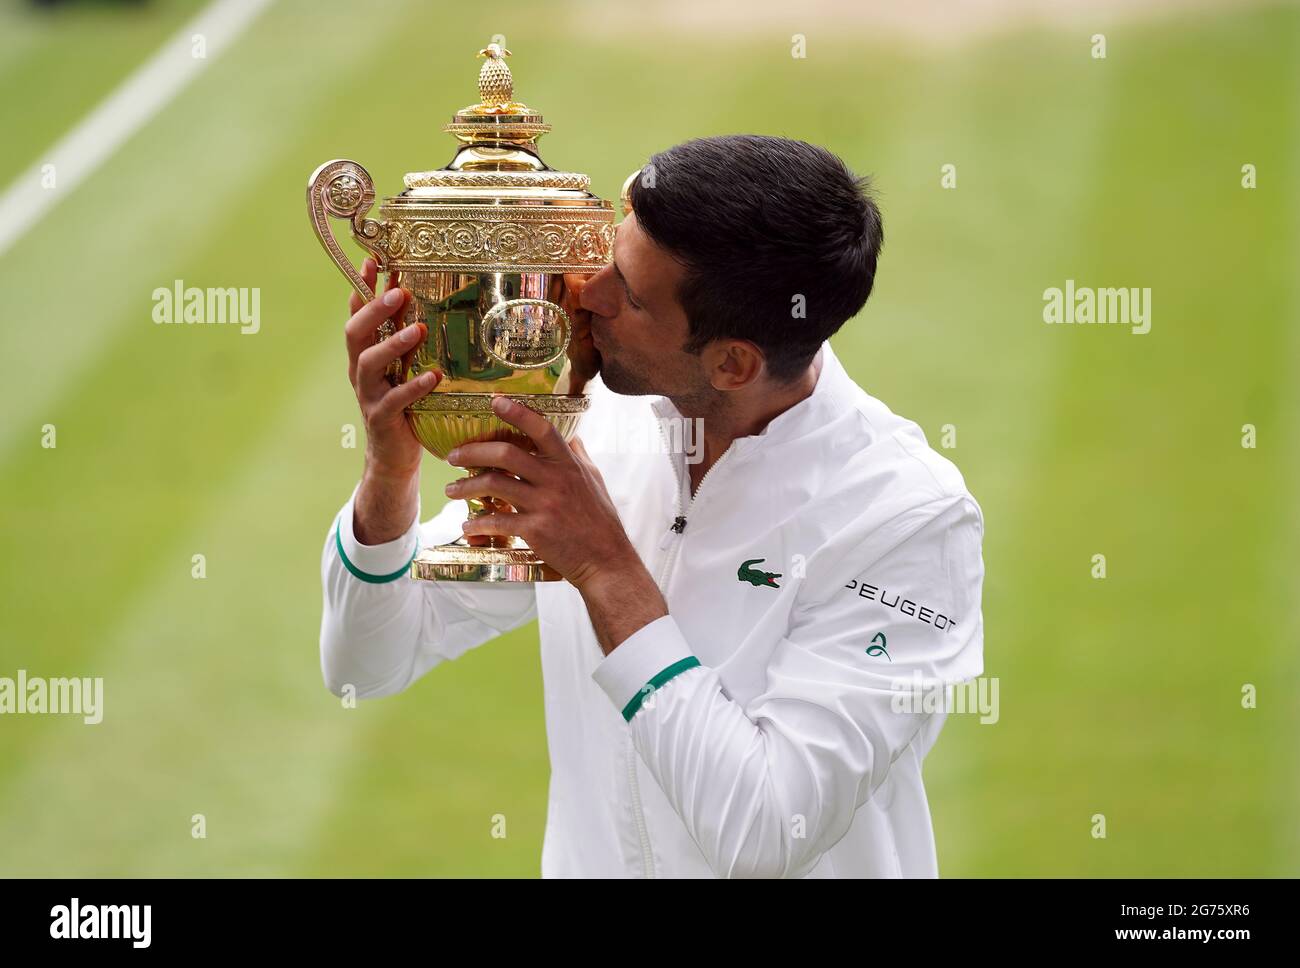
[[121, 114]]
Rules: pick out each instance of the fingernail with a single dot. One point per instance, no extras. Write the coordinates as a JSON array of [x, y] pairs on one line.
[[408, 334], [450, 489], [393, 297], [501, 404], [453, 456], [428, 378]]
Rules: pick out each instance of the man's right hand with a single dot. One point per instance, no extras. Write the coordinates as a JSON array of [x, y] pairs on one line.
[[392, 449], [387, 499]]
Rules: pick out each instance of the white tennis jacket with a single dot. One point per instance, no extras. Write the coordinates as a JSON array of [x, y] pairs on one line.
[[770, 725]]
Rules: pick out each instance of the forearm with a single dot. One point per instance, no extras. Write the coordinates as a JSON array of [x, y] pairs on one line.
[[760, 798], [380, 630], [761, 795], [621, 602], [371, 625], [385, 504]]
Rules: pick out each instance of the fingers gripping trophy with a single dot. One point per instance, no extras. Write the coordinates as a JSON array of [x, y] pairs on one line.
[[483, 245]]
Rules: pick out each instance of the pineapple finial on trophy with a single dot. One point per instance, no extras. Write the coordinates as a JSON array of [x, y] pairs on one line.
[[495, 85], [496, 88]]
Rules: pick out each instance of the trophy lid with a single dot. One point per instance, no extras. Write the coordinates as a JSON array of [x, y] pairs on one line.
[[497, 153]]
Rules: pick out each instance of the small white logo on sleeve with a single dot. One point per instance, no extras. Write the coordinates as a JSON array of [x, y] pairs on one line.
[[104, 921]]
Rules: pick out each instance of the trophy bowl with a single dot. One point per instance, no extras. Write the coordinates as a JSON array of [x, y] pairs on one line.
[[483, 245]]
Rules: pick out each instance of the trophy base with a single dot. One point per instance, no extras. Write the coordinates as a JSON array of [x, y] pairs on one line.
[[465, 562]]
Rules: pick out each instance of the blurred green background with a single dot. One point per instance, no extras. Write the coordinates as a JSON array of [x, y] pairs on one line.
[[1120, 697]]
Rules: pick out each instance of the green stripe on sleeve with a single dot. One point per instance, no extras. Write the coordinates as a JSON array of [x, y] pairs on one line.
[[366, 576], [674, 670]]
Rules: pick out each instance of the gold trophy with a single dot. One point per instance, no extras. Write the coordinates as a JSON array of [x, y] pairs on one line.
[[482, 245]]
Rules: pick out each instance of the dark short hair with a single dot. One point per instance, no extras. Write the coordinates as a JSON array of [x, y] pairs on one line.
[[757, 222]]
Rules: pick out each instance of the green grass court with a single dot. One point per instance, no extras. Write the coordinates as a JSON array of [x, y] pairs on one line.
[[1120, 697]]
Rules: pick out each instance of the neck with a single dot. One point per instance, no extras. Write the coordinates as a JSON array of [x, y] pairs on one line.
[[729, 416]]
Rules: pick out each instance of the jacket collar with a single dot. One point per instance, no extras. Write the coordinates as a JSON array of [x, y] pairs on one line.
[[833, 392]]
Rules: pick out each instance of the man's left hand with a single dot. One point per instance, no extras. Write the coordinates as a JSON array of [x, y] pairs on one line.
[[562, 509]]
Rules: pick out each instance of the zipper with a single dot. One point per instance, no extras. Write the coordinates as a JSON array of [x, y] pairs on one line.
[[677, 528]]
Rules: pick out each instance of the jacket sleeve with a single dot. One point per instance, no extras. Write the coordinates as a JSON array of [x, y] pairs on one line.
[[767, 787], [381, 629]]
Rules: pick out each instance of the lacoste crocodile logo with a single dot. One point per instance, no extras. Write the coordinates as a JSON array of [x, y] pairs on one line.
[[755, 577]]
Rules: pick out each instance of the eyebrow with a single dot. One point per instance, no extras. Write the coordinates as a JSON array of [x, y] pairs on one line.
[[626, 288]]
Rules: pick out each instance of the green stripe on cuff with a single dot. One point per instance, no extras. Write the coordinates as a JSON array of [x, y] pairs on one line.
[[366, 576], [674, 670]]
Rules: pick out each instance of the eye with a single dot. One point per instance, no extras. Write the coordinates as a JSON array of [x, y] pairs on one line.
[[630, 301]]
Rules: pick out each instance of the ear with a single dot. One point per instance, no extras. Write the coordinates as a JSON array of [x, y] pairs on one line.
[[733, 364]]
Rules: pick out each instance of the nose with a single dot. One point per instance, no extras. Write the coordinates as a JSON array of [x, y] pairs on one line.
[[599, 295]]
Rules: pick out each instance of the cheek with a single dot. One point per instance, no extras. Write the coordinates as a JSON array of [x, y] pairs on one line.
[[636, 330]]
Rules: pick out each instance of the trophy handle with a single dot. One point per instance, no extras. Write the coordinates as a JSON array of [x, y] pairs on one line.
[[344, 189]]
